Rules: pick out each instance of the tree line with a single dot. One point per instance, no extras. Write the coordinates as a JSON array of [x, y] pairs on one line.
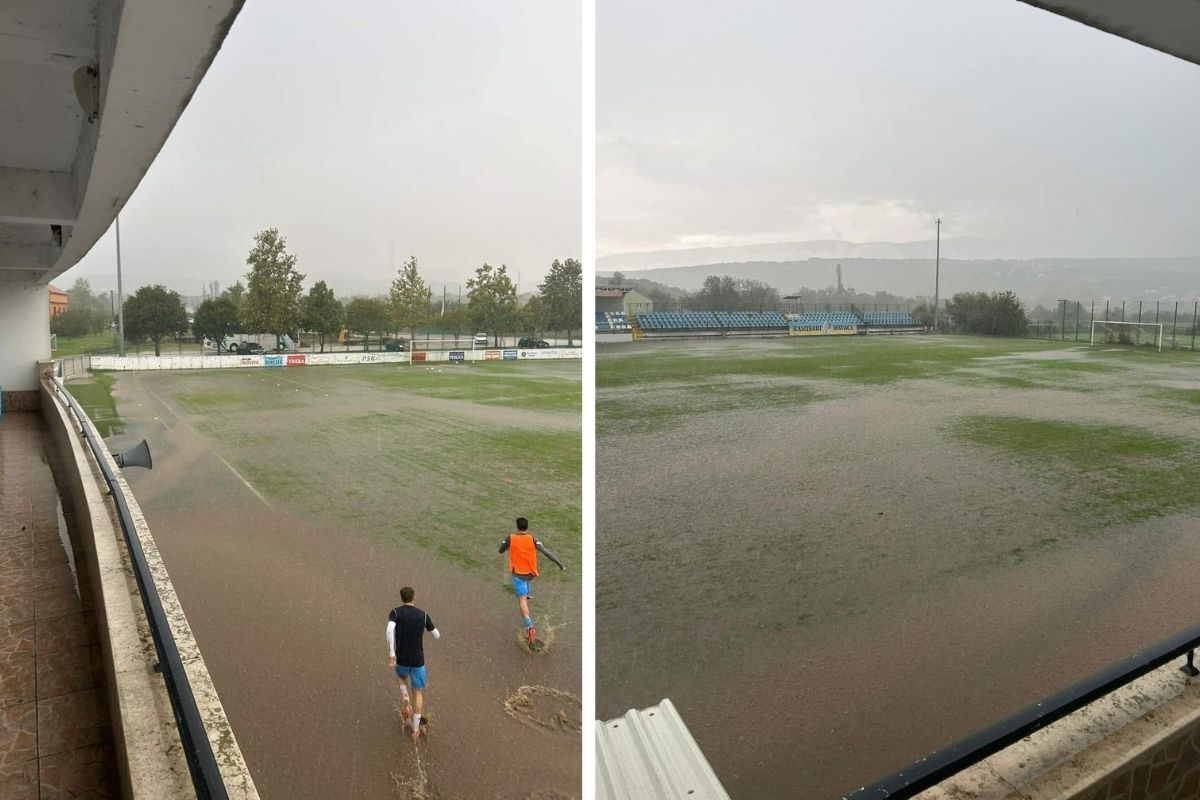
[[273, 301]]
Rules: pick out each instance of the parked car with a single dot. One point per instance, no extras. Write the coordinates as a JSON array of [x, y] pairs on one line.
[[480, 340], [247, 348], [530, 343], [395, 346]]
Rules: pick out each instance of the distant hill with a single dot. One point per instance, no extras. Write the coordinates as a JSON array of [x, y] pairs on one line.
[[1036, 280], [963, 248]]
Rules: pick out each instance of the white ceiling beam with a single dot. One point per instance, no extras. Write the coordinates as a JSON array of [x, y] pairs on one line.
[[35, 196], [35, 257]]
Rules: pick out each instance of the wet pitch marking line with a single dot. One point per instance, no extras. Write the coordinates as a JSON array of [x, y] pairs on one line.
[[164, 403], [301, 383], [249, 485]]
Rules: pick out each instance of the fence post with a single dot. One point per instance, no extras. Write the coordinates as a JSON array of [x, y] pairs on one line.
[[1175, 325], [1078, 308], [1195, 307]]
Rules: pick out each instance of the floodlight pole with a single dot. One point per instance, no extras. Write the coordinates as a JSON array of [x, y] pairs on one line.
[[120, 294], [1064, 319], [937, 273]]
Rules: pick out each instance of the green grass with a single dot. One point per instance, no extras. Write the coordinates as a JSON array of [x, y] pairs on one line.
[[95, 397], [866, 360], [668, 406], [1113, 473], [203, 402], [450, 479], [92, 343], [1187, 400], [484, 384]]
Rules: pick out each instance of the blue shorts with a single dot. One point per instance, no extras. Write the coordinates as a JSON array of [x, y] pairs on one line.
[[520, 586], [415, 674]]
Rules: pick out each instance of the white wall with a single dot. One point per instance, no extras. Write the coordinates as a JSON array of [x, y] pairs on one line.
[[24, 334]]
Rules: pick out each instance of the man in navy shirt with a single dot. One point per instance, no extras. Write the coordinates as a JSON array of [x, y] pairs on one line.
[[405, 634]]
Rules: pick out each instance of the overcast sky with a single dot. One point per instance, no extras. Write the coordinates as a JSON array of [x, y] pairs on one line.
[[757, 121], [445, 130]]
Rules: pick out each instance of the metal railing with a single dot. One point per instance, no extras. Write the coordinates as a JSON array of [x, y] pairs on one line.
[[201, 761], [949, 761]]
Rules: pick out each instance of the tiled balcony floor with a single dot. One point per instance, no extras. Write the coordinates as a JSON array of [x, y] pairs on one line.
[[55, 736]]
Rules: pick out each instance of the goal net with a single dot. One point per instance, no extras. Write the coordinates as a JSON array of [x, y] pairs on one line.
[[1134, 334]]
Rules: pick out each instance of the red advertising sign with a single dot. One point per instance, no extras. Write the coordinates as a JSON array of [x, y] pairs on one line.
[[491, 355], [298, 360], [418, 356]]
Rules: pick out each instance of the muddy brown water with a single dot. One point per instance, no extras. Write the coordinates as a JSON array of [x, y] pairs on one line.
[[831, 590], [289, 610]]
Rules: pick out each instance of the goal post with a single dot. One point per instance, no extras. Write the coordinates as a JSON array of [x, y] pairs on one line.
[[1135, 334]]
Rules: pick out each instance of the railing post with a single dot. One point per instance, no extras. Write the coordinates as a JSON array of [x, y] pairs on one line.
[[1189, 668]]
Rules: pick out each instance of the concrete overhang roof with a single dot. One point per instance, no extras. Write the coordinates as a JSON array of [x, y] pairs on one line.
[[89, 92], [1170, 26]]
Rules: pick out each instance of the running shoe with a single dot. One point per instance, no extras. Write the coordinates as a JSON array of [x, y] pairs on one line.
[[405, 709]]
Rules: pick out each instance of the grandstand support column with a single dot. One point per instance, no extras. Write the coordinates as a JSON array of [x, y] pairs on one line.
[[24, 334]]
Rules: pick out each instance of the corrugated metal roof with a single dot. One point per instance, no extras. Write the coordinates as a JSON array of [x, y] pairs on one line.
[[650, 754]]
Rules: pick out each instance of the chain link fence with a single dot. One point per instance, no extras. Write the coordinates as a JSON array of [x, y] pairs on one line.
[[1072, 320]]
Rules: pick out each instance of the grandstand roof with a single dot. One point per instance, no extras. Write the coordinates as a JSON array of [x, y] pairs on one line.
[[650, 754]]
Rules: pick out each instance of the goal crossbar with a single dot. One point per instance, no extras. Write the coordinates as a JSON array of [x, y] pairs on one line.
[[1108, 325]]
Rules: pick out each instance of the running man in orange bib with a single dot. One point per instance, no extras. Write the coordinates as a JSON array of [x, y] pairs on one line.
[[522, 549]]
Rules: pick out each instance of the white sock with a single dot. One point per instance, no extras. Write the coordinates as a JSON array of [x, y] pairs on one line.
[[416, 722]]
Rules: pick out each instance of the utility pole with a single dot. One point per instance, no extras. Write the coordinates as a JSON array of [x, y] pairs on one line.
[[1064, 319], [120, 294], [937, 274]]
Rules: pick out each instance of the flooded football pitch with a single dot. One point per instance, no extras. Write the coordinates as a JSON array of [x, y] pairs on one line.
[[290, 506], [837, 556]]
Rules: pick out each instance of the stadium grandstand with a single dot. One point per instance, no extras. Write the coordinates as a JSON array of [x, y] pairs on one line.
[[615, 307], [639, 324]]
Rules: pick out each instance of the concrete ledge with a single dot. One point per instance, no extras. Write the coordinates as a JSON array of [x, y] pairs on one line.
[[1142, 741], [149, 752]]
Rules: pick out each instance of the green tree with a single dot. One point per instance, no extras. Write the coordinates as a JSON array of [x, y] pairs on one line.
[[562, 297], [236, 294], [531, 318], [72, 322], [215, 319], [409, 298], [153, 312], [492, 301], [994, 314], [274, 292], [366, 315], [323, 313]]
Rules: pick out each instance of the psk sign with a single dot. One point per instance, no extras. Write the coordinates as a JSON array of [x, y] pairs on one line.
[[272, 361], [458, 355], [510, 355]]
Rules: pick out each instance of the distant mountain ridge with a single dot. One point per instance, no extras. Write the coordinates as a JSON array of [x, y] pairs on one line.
[[962, 248], [1036, 280]]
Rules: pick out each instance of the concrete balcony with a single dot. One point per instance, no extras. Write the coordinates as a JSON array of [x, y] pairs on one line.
[[84, 709]]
